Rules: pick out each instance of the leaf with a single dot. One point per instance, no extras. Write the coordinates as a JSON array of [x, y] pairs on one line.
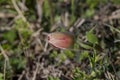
[[18, 62], [62, 57], [10, 36], [83, 55], [46, 8], [91, 38], [89, 13], [54, 54], [1, 76], [116, 2], [69, 53], [52, 78], [85, 46]]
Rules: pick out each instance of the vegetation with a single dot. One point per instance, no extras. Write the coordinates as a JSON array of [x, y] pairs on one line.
[[26, 55]]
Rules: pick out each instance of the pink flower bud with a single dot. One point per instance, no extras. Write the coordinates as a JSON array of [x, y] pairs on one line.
[[60, 40]]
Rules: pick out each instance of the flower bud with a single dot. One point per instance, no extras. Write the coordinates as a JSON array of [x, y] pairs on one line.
[[60, 40]]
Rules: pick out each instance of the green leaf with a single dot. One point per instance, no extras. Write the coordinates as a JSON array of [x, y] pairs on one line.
[[116, 2], [46, 8], [79, 75], [83, 55], [52, 78], [85, 46], [18, 62], [10, 36], [89, 13], [62, 57], [7, 46], [69, 53], [91, 38], [93, 74], [54, 54], [1, 76]]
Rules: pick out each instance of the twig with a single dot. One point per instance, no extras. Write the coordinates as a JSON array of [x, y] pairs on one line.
[[20, 78], [12, 21], [40, 42], [18, 10], [4, 54], [45, 47], [112, 27], [7, 15], [22, 6], [51, 12], [7, 28], [6, 60], [20, 14], [5, 69], [66, 19], [35, 72], [109, 57], [77, 24], [39, 9], [116, 41]]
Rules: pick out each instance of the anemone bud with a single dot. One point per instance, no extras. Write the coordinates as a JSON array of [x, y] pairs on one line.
[[60, 40]]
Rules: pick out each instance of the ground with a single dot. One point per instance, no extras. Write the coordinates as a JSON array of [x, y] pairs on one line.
[[25, 53]]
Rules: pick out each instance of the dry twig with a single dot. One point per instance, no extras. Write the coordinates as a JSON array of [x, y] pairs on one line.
[[6, 61]]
